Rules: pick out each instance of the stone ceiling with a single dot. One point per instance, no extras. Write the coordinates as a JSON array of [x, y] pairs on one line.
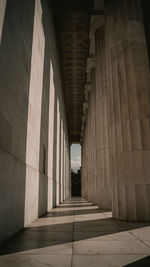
[[72, 18]]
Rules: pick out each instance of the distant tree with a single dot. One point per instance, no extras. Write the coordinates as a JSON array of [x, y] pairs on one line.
[[76, 183]]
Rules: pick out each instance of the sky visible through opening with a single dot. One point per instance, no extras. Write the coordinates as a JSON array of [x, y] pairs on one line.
[[75, 157]]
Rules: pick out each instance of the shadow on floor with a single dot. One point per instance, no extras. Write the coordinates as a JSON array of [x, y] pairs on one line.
[[76, 202], [48, 234], [73, 212], [75, 206], [140, 263]]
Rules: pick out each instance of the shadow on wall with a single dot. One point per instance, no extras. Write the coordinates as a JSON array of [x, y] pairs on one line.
[[50, 75], [44, 129], [54, 153], [15, 78], [15, 67]]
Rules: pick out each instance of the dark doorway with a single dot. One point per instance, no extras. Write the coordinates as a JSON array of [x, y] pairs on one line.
[[76, 170]]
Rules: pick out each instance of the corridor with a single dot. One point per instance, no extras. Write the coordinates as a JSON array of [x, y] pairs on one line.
[[75, 234]]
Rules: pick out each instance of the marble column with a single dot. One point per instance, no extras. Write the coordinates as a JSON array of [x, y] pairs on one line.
[[89, 139], [84, 168], [83, 173], [129, 110], [92, 136], [88, 149], [86, 146], [104, 189]]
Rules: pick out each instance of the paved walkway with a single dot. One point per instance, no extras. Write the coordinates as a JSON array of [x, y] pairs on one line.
[[78, 234]]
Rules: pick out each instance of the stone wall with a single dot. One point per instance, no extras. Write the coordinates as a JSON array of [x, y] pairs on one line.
[[34, 151]]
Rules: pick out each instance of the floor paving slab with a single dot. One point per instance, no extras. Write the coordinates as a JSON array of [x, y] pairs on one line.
[[78, 234]]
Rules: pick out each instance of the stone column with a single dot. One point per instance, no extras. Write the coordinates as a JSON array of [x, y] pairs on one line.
[[85, 166], [62, 162], [92, 137], [89, 149], [90, 129], [86, 145], [83, 171], [83, 185], [64, 183], [129, 104], [104, 189], [69, 162], [65, 168], [58, 152]]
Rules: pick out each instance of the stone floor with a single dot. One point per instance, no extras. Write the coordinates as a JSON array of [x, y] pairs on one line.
[[77, 234]]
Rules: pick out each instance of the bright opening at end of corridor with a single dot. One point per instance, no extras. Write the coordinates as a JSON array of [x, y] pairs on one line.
[[76, 170], [75, 157]]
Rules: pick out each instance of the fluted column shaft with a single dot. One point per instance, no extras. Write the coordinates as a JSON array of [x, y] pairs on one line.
[[85, 164], [92, 136], [89, 146], [102, 143], [129, 110]]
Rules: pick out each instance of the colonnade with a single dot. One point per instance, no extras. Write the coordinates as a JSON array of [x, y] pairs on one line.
[[115, 130], [120, 121], [34, 144]]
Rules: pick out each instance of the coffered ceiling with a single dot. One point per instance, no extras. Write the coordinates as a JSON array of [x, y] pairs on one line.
[[72, 19]]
